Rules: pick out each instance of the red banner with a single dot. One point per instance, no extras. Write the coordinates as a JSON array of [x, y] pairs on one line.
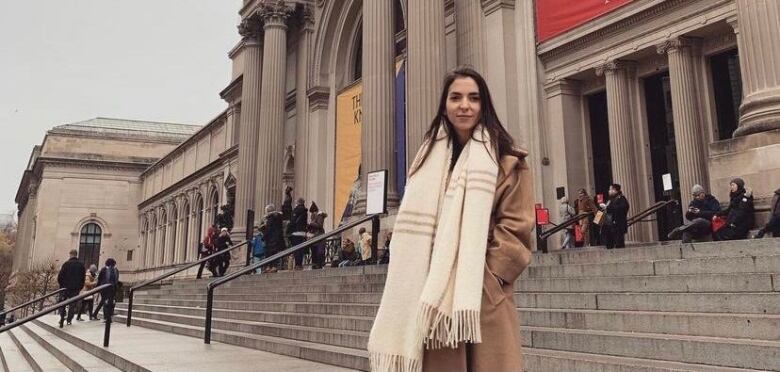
[[554, 17]]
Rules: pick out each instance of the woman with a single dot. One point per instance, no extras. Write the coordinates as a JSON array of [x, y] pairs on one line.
[[585, 204], [739, 214], [448, 301], [90, 281], [222, 243]]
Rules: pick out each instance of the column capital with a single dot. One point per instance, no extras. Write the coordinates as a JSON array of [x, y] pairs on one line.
[[733, 21], [251, 31], [676, 43], [610, 67], [562, 86], [275, 14], [307, 18], [491, 6]]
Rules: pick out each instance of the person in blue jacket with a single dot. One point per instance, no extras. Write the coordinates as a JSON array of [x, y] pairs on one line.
[[701, 209], [258, 247]]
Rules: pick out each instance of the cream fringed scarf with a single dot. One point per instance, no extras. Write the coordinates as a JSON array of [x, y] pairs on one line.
[[433, 291]]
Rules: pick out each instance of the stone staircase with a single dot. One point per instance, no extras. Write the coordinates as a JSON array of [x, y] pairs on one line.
[[700, 307]]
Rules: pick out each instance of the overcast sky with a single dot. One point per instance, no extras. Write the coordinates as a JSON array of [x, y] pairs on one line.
[[67, 61]]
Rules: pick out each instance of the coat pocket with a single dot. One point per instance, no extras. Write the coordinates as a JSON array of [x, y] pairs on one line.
[[492, 289]]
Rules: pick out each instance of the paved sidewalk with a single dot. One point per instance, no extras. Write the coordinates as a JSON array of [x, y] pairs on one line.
[[166, 352]]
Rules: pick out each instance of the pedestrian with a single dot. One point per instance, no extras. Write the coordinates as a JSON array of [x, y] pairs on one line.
[[384, 255], [364, 246], [287, 207], [616, 225], [274, 236], [205, 249], [108, 275], [701, 209], [566, 211], [461, 239], [739, 213], [298, 225], [71, 278], [773, 226], [90, 281], [258, 246], [348, 254], [585, 204], [223, 243], [317, 227]]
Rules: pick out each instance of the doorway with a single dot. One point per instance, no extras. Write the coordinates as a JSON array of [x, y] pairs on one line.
[[727, 91], [663, 153], [599, 138]]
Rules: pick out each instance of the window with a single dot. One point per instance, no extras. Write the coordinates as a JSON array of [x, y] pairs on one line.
[[89, 244], [129, 255]]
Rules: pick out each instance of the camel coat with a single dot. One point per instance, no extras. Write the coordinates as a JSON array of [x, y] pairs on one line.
[[508, 254]]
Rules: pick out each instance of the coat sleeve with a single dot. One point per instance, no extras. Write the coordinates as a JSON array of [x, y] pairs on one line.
[[509, 250]]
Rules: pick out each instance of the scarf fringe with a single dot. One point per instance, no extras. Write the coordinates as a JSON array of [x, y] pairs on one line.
[[393, 363], [439, 330]]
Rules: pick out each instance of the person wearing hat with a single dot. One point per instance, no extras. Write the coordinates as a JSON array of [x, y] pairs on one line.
[[701, 209], [615, 229], [222, 243], [273, 236], [739, 214]]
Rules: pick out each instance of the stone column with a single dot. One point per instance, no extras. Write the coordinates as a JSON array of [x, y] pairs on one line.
[[501, 55], [426, 69], [622, 132], [689, 132], [378, 133], [270, 152], [249, 125], [470, 40], [303, 65], [759, 61]]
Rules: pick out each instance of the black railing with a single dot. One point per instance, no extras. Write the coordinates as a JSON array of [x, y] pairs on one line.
[[171, 273], [571, 221], [650, 210], [31, 302], [315, 240], [67, 302]]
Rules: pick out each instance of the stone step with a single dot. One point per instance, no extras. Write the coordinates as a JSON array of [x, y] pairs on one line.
[[326, 336], [13, 360], [70, 355], [665, 283], [329, 354], [732, 303], [277, 297], [751, 326], [37, 357], [368, 310], [317, 320], [724, 352], [543, 360], [275, 279], [375, 286], [748, 326], [95, 349]]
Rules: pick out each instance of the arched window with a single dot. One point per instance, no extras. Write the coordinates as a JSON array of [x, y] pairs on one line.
[[89, 244], [214, 206], [186, 231], [199, 210], [174, 228]]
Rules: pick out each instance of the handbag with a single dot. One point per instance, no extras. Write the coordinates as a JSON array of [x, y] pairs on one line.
[[718, 223], [600, 218]]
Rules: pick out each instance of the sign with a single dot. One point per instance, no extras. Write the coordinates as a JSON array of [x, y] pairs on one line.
[[555, 17], [667, 179], [560, 192], [376, 192], [349, 117], [542, 216]]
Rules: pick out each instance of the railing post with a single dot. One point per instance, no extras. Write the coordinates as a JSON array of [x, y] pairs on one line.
[[130, 307], [107, 332], [375, 237], [209, 305]]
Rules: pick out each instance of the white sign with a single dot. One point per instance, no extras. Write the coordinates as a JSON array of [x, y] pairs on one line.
[[667, 178], [376, 192]]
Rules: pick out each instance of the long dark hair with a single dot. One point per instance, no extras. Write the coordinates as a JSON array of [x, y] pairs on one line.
[[500, 140]]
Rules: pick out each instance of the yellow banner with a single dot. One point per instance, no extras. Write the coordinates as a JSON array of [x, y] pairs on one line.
[[348, 130]]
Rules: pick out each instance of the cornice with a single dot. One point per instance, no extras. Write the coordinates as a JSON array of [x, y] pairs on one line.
[[318, 97]]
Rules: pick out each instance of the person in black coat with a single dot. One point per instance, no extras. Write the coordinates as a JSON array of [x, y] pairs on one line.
[[739, 214], [71, 278], [297, 227], [274, 236], [616, 226], [108, 275], [773, 226], [222, 243], [701, 209]]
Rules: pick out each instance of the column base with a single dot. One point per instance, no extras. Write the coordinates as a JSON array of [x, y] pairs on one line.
[[759, 113]]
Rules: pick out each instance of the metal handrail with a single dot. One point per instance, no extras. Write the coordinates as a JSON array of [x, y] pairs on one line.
[[107, 331], [171, 273], [650, 210], [17, 307], [564, 224], [218, 282]]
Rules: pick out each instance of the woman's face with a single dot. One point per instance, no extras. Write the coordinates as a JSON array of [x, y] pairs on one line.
[[463, 106], [734, 187]]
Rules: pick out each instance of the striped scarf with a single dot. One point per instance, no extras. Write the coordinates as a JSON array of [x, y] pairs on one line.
[[433, 291]]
